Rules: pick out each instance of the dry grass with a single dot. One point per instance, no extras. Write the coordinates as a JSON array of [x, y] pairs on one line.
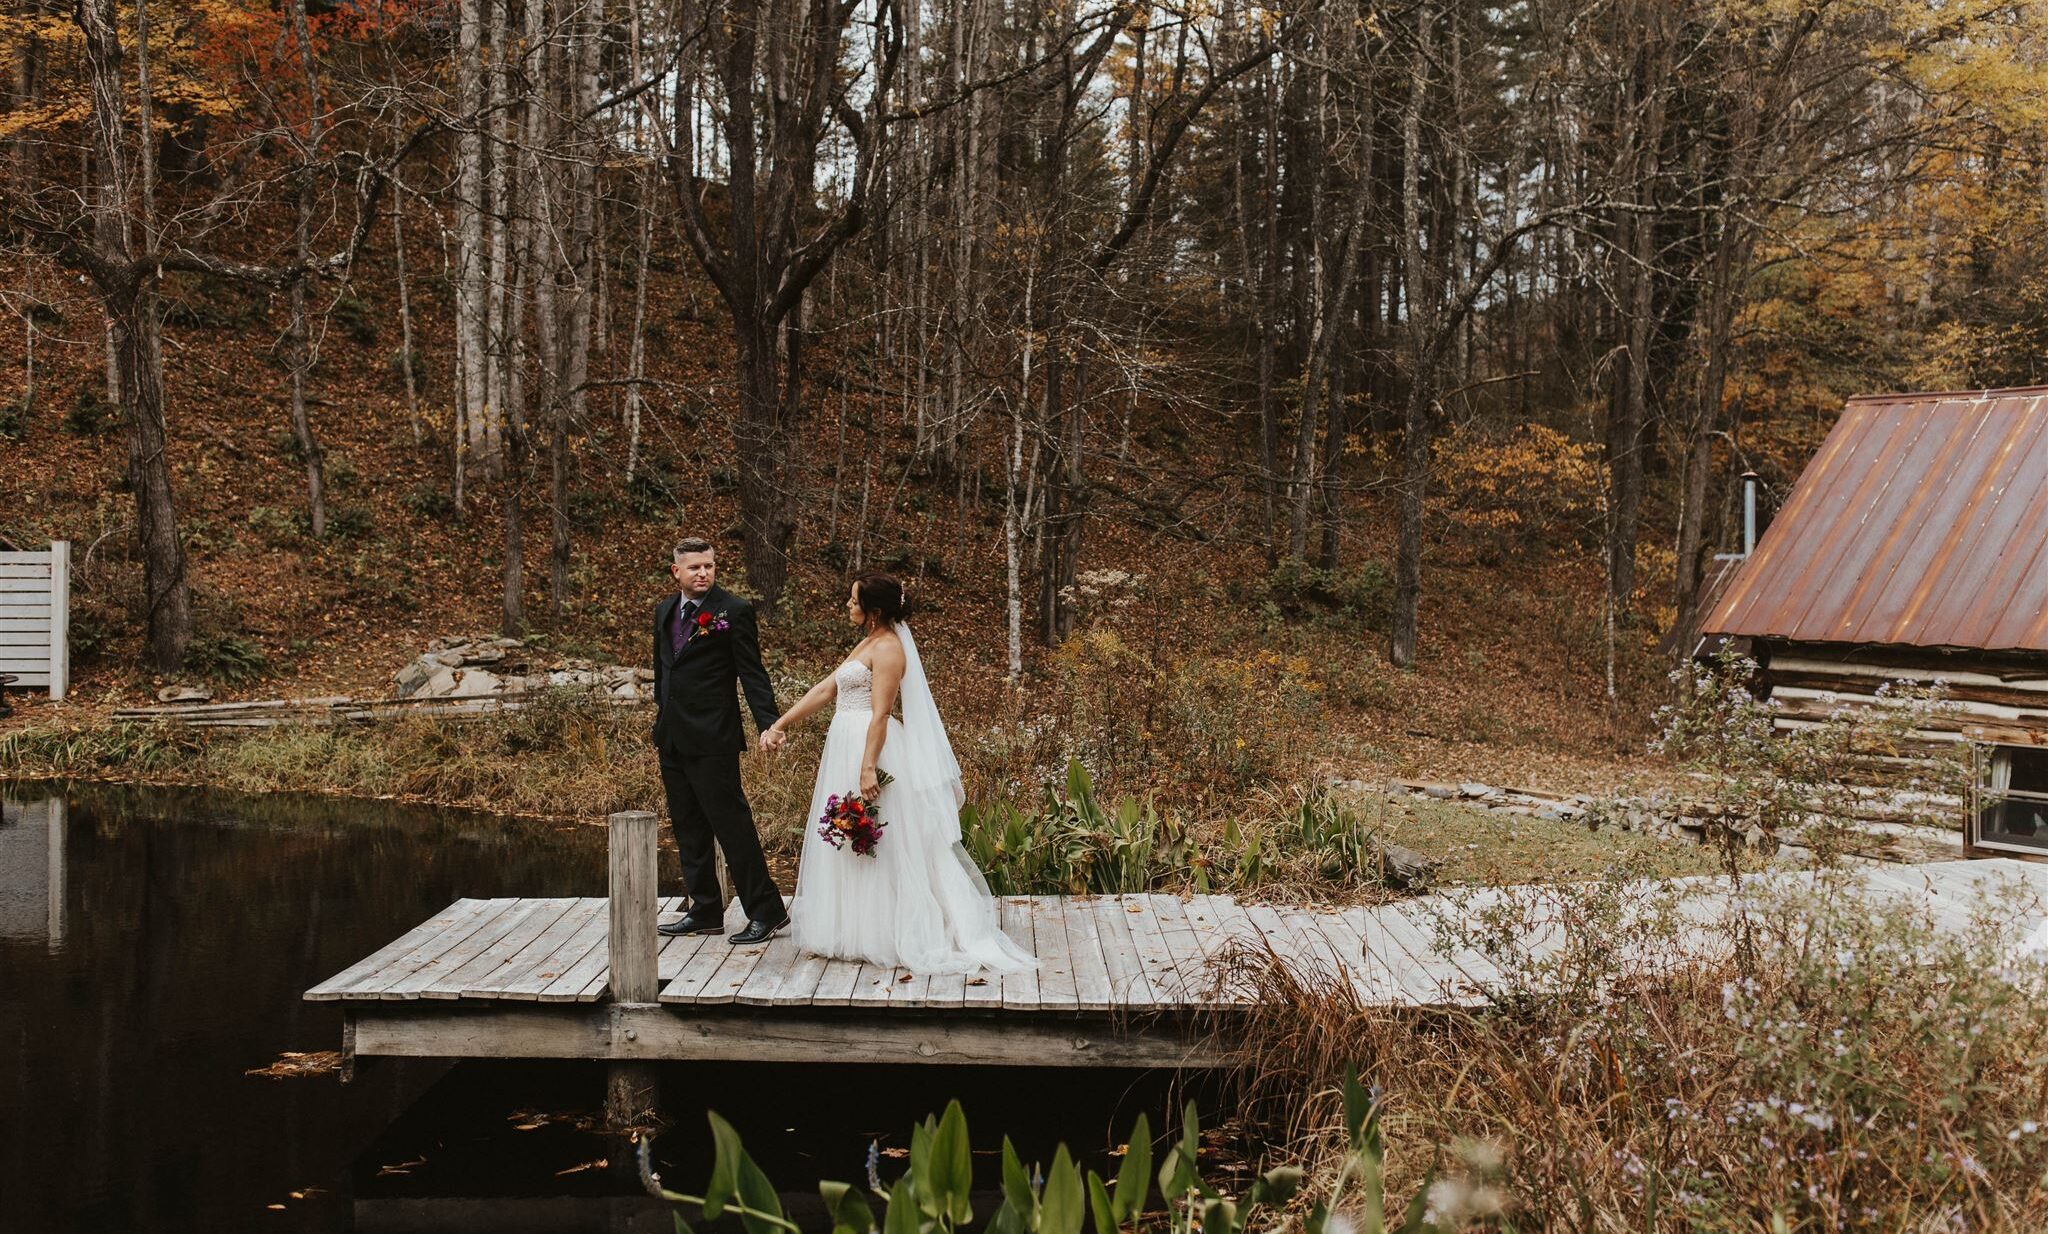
[[1846, 1069]]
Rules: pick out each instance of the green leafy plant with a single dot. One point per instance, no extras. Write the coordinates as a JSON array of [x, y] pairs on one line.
[[934, 1196], [227, 658]]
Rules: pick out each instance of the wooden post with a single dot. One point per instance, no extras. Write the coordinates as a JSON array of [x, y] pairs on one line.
[[632, 946], [60, 619]]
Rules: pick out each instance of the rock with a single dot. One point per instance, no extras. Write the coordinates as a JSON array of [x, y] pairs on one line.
[[473, 682], [1441, 792], [1517, 811], [1478, 790], [1550, 813], [413, 676], [452, 658], [441, 684], [629, 689], [184, 694], [1404, 867], [644, 674]]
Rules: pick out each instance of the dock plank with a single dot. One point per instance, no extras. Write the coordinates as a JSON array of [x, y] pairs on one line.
[[800, 982], [1020, 989], [1129, 986], [427, 958], [779, 958], [871, 990], [1056, 986], [560, 945], [1369, 981], [368, 969], [487, 971], [416, 985], [1162, 971], [740, 962], [1093, 983], [1190, 964], [836, 983]]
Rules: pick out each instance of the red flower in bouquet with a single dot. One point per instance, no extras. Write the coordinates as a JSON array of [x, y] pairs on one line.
[[850, 821]]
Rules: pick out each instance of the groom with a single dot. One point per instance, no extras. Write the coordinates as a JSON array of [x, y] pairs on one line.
[[705, 641]]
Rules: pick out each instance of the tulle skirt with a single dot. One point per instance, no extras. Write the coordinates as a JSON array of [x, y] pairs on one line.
[[918, 903]]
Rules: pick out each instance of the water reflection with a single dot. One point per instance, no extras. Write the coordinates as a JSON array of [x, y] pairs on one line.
[[153, 946], [153, 950]]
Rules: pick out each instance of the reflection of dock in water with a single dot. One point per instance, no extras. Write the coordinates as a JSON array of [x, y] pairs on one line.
[[32, 870]]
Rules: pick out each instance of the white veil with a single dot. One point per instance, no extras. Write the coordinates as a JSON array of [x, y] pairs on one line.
[[929, 751]]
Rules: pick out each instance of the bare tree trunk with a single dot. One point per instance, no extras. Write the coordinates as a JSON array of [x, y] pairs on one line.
[[1421, 310], [475, 444], [636, 364], [301, 343], [1013, 574], [1630, 421], [125, 281], [405, 352]]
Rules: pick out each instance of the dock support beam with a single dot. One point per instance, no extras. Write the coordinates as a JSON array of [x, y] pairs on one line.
[[631, 1095]]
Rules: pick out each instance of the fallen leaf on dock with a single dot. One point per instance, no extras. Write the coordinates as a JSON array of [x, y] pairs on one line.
[[598, 1164]]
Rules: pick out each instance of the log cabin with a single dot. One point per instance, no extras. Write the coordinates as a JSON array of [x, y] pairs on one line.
[[1914, 548]]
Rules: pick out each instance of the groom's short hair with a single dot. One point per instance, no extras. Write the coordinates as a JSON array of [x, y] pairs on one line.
[[693, 544]]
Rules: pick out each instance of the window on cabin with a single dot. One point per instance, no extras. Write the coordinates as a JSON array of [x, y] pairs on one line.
[[2012, 798]]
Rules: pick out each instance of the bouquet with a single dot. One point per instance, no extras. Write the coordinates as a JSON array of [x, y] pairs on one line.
[[849, 820]]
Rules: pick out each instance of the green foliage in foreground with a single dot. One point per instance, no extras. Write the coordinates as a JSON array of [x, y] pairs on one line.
[[1071, 841], [934, 1196]]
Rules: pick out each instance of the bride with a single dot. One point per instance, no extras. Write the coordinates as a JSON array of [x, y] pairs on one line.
[[918, 902]]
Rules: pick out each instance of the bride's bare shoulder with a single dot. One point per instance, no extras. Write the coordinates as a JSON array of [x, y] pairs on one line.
[[887, 653]]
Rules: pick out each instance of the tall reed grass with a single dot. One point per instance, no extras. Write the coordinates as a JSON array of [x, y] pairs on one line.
[[1815, 1062]]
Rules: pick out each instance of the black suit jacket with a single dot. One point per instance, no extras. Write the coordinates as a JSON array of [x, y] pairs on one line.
[[697, 709]]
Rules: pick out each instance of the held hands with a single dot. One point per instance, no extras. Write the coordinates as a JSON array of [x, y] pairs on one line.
[[772, 739]]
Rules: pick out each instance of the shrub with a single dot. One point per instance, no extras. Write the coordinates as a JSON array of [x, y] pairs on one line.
[[1518, 489], [273, 525], [396, 364], [429, 501], [1757, 784], [1365, 594], [226, 658], [652, 492], [344, 522], [90, 413], [353, 315], [13, 419]]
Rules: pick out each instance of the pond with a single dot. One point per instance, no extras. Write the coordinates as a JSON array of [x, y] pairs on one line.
[[153, 946]]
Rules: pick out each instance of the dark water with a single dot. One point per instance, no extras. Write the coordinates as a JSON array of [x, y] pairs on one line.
[[153, 945]]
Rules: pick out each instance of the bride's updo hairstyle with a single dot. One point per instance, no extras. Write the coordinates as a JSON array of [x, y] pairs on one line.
[[881, 595]]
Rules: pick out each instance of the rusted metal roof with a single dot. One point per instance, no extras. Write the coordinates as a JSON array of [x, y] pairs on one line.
[[1922, 522]]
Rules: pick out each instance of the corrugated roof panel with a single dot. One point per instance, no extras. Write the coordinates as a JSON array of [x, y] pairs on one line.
[[1971, 563], [1922, 520]]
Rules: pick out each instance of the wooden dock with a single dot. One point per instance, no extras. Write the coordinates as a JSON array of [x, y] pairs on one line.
[[1123, 981]]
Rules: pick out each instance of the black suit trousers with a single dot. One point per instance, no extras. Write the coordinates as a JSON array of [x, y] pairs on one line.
[[706, 803]]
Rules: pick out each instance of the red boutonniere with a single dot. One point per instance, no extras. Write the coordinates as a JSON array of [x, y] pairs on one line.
[[711, 623]]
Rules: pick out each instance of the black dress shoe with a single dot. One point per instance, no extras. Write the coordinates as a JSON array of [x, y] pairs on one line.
[[692, 923], [757, 932]]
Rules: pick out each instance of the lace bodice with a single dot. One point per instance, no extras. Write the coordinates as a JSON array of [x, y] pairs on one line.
[[856, 686]]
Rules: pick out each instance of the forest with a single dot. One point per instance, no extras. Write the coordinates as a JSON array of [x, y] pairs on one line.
[[1456, 320]]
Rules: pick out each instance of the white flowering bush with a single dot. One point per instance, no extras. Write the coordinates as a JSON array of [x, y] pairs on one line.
[[1759, 782]]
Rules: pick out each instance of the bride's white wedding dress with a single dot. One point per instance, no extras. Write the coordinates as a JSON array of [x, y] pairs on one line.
[[918, 903]]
